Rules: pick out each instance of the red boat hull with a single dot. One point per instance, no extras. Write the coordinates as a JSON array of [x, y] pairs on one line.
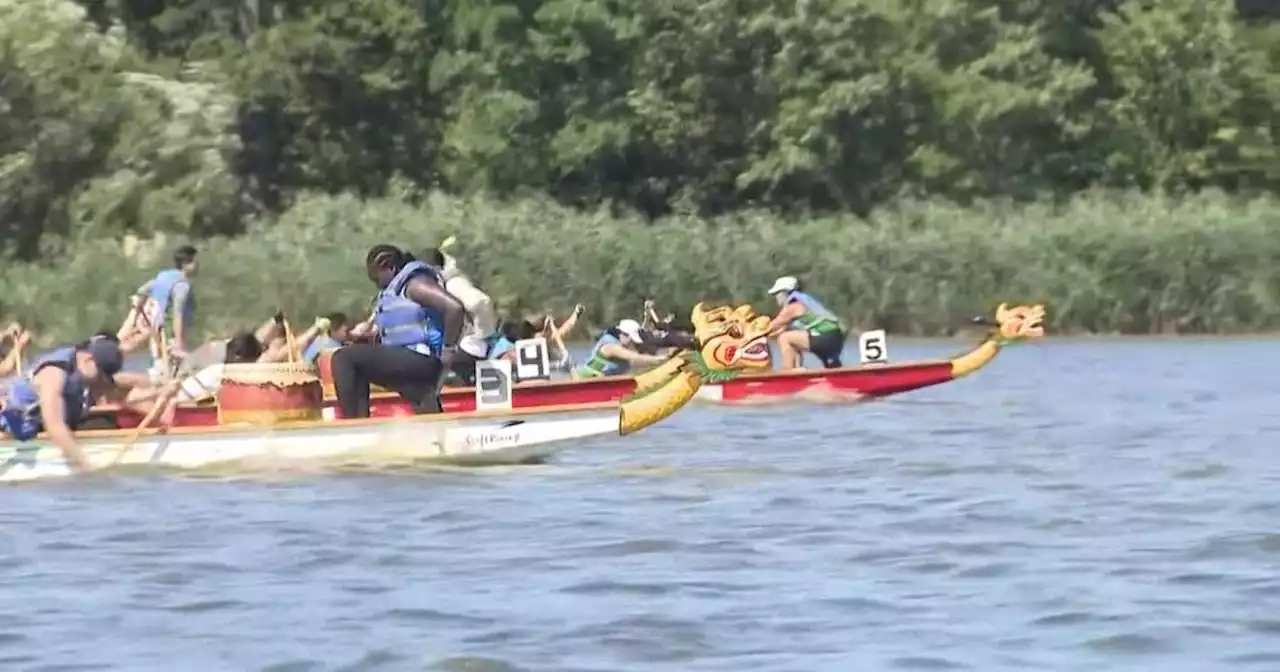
[[837, 384]]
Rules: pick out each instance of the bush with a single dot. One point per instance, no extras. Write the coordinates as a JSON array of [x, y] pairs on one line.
[[1103, 263]]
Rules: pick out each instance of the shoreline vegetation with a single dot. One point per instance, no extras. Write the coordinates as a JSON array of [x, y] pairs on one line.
[[914, 164], [1126, 264]]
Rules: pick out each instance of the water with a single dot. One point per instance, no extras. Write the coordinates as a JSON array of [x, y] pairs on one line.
[[1076, 506]]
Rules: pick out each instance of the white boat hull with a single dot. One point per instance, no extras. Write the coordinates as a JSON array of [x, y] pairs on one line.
[[421, 439]]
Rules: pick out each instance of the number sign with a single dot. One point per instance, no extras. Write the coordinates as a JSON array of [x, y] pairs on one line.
[[493, 384], [533, 359], [873, 347]]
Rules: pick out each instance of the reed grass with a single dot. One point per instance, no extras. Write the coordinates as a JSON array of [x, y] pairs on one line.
[[1102, 263]]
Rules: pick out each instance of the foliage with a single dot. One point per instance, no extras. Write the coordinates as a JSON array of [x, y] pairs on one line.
[[796, 120], [1101, 262]]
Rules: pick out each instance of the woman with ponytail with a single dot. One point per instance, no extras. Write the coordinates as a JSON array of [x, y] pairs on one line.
[[416, 325]]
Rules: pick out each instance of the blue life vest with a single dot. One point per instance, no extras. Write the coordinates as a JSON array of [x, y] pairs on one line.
[[162, 287], [320, 344], [21, 416], [817, 320], [403, 322], [599, 365], [499, 345]]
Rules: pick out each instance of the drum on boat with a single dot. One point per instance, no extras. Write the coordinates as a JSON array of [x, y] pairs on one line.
[[269, 393]]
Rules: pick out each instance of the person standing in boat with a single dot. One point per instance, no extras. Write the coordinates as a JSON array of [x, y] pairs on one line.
[[418, 324], [481, 325], [616, 351], [803, 324], [169, 291], [56, 394]]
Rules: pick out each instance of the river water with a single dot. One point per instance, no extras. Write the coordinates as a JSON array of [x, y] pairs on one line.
[[1079, 505]]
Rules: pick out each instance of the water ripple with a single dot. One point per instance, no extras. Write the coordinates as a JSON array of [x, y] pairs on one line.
[[1078, 506]]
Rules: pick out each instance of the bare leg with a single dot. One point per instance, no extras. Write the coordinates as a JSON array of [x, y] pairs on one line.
[[793, 345]]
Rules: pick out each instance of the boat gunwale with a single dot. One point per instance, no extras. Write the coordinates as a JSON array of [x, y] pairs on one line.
[[336, 423], [611, 380]]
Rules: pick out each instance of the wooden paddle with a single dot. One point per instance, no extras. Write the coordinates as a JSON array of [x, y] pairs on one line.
[[161, 402], [289, 343], [550, 324]]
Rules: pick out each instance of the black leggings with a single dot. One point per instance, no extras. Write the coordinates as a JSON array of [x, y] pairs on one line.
[[463, 366], [415, 377], [828, 348]]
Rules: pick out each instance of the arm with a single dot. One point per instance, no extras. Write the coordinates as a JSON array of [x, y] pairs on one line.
[[570, 322], [269, 331], [789, 312], [432, 295], [179, 300], [49, 381], [615, 351]]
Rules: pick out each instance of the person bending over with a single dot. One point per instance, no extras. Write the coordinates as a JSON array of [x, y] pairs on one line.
[[417, 324]]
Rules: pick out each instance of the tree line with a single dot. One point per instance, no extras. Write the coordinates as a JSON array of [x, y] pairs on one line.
[[200, 117]]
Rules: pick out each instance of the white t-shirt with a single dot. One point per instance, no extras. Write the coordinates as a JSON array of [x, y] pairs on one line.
[[203, 384], [481, 319]]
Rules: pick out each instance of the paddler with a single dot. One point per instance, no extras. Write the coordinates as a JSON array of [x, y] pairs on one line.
[[481, 323], [418, 324], [147, 320], [804, 324], [265, 345], [57, 392], [616, 351], [328, 333]]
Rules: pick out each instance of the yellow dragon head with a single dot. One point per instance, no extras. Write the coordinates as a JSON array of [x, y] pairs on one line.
[[1020, 322], [728, 341], [731, 339]]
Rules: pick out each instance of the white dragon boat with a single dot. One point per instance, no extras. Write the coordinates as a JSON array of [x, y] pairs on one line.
[[276, 412]]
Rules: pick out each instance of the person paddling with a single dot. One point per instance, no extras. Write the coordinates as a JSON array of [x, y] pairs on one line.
[[56, 394], [418, 324], [804, 324], [328, 333], [616, 351], [148, 319]]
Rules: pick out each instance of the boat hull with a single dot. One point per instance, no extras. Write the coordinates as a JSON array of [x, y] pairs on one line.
[[477, 441], [844, 384]]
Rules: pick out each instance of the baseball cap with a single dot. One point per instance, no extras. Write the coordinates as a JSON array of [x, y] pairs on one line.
[[106, 354], [632, 330], [786, 283]]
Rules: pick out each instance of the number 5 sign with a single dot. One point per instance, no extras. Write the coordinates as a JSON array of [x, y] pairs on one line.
[[873, 347]]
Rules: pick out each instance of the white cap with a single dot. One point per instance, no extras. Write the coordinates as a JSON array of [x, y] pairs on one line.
[[784, 284], [631, 329]]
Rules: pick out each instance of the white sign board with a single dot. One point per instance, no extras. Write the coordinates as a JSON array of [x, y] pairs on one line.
[[873, 347], [493, 384], [533, 359]]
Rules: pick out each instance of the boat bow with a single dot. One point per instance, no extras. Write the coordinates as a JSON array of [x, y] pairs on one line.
[[1011, 325]]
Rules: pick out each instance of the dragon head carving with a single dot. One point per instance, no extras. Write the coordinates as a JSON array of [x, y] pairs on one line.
[[731, 339], [1020, 322]]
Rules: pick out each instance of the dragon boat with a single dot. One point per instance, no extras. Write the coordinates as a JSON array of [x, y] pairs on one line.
[[874, 379], [278, 412]]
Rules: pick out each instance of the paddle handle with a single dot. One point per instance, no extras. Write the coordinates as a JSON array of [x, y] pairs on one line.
[[161, 402], [289, 343]]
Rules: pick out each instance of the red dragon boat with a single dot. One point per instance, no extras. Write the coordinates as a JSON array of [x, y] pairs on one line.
[[873, 379]]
